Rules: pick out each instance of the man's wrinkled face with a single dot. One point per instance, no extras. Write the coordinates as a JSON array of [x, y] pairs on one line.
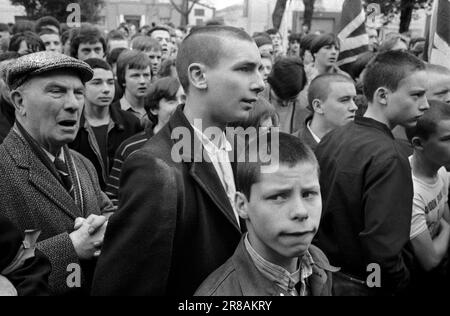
[[50, 107]]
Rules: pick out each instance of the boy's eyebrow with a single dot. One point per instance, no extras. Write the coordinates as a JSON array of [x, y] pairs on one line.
[[247, 63]]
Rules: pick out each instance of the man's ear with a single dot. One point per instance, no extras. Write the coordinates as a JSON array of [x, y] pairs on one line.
[[317, 106], [17, 100], [241, 204], [381, 96], [197, 76], [417, 143]]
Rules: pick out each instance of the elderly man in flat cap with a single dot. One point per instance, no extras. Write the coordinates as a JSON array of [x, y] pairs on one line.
[[44, 185]]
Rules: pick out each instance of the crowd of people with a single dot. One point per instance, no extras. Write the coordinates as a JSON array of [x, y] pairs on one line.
[[112, 183]]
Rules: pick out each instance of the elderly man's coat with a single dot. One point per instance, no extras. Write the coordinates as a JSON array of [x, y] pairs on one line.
[[34, 199]]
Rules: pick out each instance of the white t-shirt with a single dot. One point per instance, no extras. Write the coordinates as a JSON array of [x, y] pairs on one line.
[[429, 204]]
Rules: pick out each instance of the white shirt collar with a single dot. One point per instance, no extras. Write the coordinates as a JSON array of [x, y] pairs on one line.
[[316, 138], [222, 145], [53, 158]]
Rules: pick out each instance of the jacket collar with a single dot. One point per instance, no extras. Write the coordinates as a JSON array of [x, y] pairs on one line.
[[204, 173], [254, 284], [116, 120], [368, 122], [39, 176]]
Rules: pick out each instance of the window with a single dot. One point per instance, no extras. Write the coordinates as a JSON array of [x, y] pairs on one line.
[[199, 12], [199, 22]]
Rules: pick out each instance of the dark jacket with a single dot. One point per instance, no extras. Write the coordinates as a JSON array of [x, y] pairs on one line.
[[305, 135], [123, 125], [34, 199], [29, 279], [240, 277], [367, 196], [175, 224]]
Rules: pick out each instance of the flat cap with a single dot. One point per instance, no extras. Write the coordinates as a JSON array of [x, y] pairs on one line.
[[39, 63]]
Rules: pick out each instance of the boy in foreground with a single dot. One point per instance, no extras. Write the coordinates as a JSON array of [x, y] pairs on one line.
[[282, 212]]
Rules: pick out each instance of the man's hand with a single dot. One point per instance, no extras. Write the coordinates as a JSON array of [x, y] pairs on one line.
[[6, 287], [88, 236]]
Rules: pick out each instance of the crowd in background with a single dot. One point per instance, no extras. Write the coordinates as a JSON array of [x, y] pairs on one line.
[[374, 207]]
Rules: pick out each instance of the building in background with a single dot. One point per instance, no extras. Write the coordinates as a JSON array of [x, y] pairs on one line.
[[147, 12], [10, 13]]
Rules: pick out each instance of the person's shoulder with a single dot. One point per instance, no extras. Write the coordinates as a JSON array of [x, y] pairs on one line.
[[321, 260], [222, 282]]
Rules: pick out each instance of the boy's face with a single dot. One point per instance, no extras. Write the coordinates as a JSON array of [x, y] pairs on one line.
[[437, 147], [156, 59], [340, 109], [52, 42], [409, 102], [438, 87], [234, 83], [327, 56], [137, 81], [88, 50], [284, 211], [100, 90]]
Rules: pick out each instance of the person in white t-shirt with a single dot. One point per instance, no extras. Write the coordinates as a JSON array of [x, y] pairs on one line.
[[430, 228]]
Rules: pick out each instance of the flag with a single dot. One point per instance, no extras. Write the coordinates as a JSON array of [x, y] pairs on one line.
[[439, 37], [352, 32]]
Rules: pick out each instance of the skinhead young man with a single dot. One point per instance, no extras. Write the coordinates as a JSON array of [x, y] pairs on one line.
[[366, 181], [44, 185], [439, 83], [178, 200], [331, 100]]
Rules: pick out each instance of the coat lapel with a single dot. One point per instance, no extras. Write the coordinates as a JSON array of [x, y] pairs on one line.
[[40, 177], [203, 172]]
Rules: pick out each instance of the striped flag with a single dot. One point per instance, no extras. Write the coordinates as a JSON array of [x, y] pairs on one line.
[[439, 50], [352, 35]]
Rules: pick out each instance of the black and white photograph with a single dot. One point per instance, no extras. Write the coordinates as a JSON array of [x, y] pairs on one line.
[[224, 154]]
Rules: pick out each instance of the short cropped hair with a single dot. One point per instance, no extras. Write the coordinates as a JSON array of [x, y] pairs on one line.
[[34, 43], [205, 46], [115, 35], [97, 63], [145, 43], [46, 31], [131, 59], [438, 69], [273, 32], [320, 87], [166, 67], [324, 40], [427, 124], [291, 150], [87, 34], [165, 88], [44, 21], [388, 70]]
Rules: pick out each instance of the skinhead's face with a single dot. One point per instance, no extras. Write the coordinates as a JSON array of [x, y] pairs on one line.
[[409, 102], [340, 109], [100, 90], [234, 84]]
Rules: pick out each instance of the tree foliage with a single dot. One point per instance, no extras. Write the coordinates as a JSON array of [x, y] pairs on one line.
[[184, 8], [35, 9]]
